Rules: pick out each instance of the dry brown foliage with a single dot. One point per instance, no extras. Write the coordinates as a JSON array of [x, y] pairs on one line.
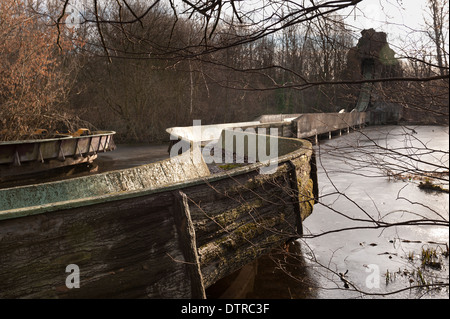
[[34, 86]]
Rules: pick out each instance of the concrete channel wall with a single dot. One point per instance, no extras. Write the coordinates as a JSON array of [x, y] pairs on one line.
[[19, 201], [309, 125], [168, 229], [313, 124], [164, 230]]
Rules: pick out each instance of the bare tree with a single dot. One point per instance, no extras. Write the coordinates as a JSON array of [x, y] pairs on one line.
[[224, 55], [438, 26], [35, 82]]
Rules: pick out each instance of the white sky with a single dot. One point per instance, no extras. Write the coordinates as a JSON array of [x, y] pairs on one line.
[[402, 20], [384, 14]]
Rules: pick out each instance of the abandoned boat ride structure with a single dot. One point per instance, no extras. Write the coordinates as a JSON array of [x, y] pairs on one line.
[[173, 228], [168, 229], [41, 152]]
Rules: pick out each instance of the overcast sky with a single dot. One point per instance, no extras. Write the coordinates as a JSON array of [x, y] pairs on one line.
[[402, 20], [385, 14]]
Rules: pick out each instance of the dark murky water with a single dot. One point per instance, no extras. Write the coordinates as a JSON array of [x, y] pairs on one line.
[[126, 156]]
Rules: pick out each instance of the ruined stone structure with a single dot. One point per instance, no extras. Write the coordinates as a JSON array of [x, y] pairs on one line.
[[372, 58], [374, 51]]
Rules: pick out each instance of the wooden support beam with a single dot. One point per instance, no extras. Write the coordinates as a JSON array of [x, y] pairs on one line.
[[100, 145], [76, 151], [61, 155], [16, 159], [188, 245], [293, 179]]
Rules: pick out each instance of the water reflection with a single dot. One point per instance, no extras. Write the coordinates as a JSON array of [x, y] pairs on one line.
[[282, 274]]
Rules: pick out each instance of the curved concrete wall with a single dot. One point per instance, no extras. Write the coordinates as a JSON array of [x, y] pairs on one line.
[[172, 172], [311, 124], [164, 230], [19, 201], [205, 133], [53, 148]]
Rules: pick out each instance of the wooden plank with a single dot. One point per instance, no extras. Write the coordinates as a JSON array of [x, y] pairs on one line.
[[129, 249], [239, 219], [188, 245]]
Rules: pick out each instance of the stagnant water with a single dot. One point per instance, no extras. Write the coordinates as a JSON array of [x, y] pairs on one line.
[[372, 177], [355, 244]]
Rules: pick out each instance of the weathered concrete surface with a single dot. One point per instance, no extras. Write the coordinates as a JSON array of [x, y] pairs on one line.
[[271, 118], [42, 149], [239, 219], [125, 249], [313, 124], [30, 156], [205, 133], [83, 189]]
